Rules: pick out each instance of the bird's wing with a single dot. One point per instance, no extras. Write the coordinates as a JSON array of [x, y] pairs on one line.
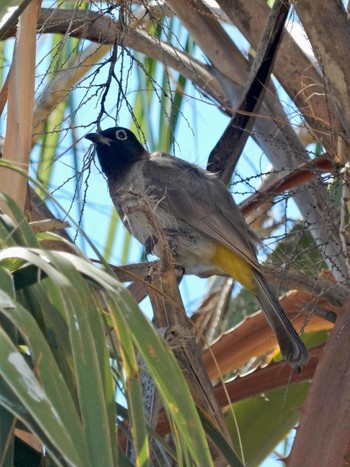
[[202, 201]]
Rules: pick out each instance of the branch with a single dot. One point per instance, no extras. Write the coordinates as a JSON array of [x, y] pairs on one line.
[[273, 376], [303, 174], [253, 337], [84, 24], [225, 154], [169, 313], [327, 404], [294, 70], [331, 292]]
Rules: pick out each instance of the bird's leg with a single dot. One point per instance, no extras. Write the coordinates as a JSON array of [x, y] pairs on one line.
[[170, 235], [150, 243]]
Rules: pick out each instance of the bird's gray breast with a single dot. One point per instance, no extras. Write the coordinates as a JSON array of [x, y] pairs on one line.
[[144, 210], [141, 211]]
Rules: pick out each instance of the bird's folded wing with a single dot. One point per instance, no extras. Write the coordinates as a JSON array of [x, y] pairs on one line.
[[204, 203]]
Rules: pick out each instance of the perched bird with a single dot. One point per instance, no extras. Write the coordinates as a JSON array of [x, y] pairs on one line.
[[204, 227]]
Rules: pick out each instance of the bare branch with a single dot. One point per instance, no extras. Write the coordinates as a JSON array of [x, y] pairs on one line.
[[328, 402], [225, 154]]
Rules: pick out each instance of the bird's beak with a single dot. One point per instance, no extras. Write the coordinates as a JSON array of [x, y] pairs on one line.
[[98, 138]]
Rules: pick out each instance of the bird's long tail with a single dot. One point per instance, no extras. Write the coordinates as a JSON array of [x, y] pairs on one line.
[[292, 347]]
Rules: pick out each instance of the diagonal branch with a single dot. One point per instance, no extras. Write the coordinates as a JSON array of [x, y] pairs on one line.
[[224, 156]]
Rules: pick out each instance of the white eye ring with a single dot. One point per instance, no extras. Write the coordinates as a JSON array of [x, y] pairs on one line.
[[121, 134]]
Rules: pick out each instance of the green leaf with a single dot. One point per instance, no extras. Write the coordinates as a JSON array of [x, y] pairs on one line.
[[90, 355], [263, 421], [158, 358], [24, 384], [134, 391], [7, 291], [21, 226], [93, 378], [219, 441], [165, 370]]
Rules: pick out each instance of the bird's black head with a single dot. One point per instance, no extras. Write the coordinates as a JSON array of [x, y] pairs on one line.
[[117, 149]]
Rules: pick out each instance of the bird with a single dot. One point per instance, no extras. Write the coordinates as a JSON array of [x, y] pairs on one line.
[[198, 216]]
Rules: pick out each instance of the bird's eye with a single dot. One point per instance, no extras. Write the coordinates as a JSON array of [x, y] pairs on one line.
[[121, 134]]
